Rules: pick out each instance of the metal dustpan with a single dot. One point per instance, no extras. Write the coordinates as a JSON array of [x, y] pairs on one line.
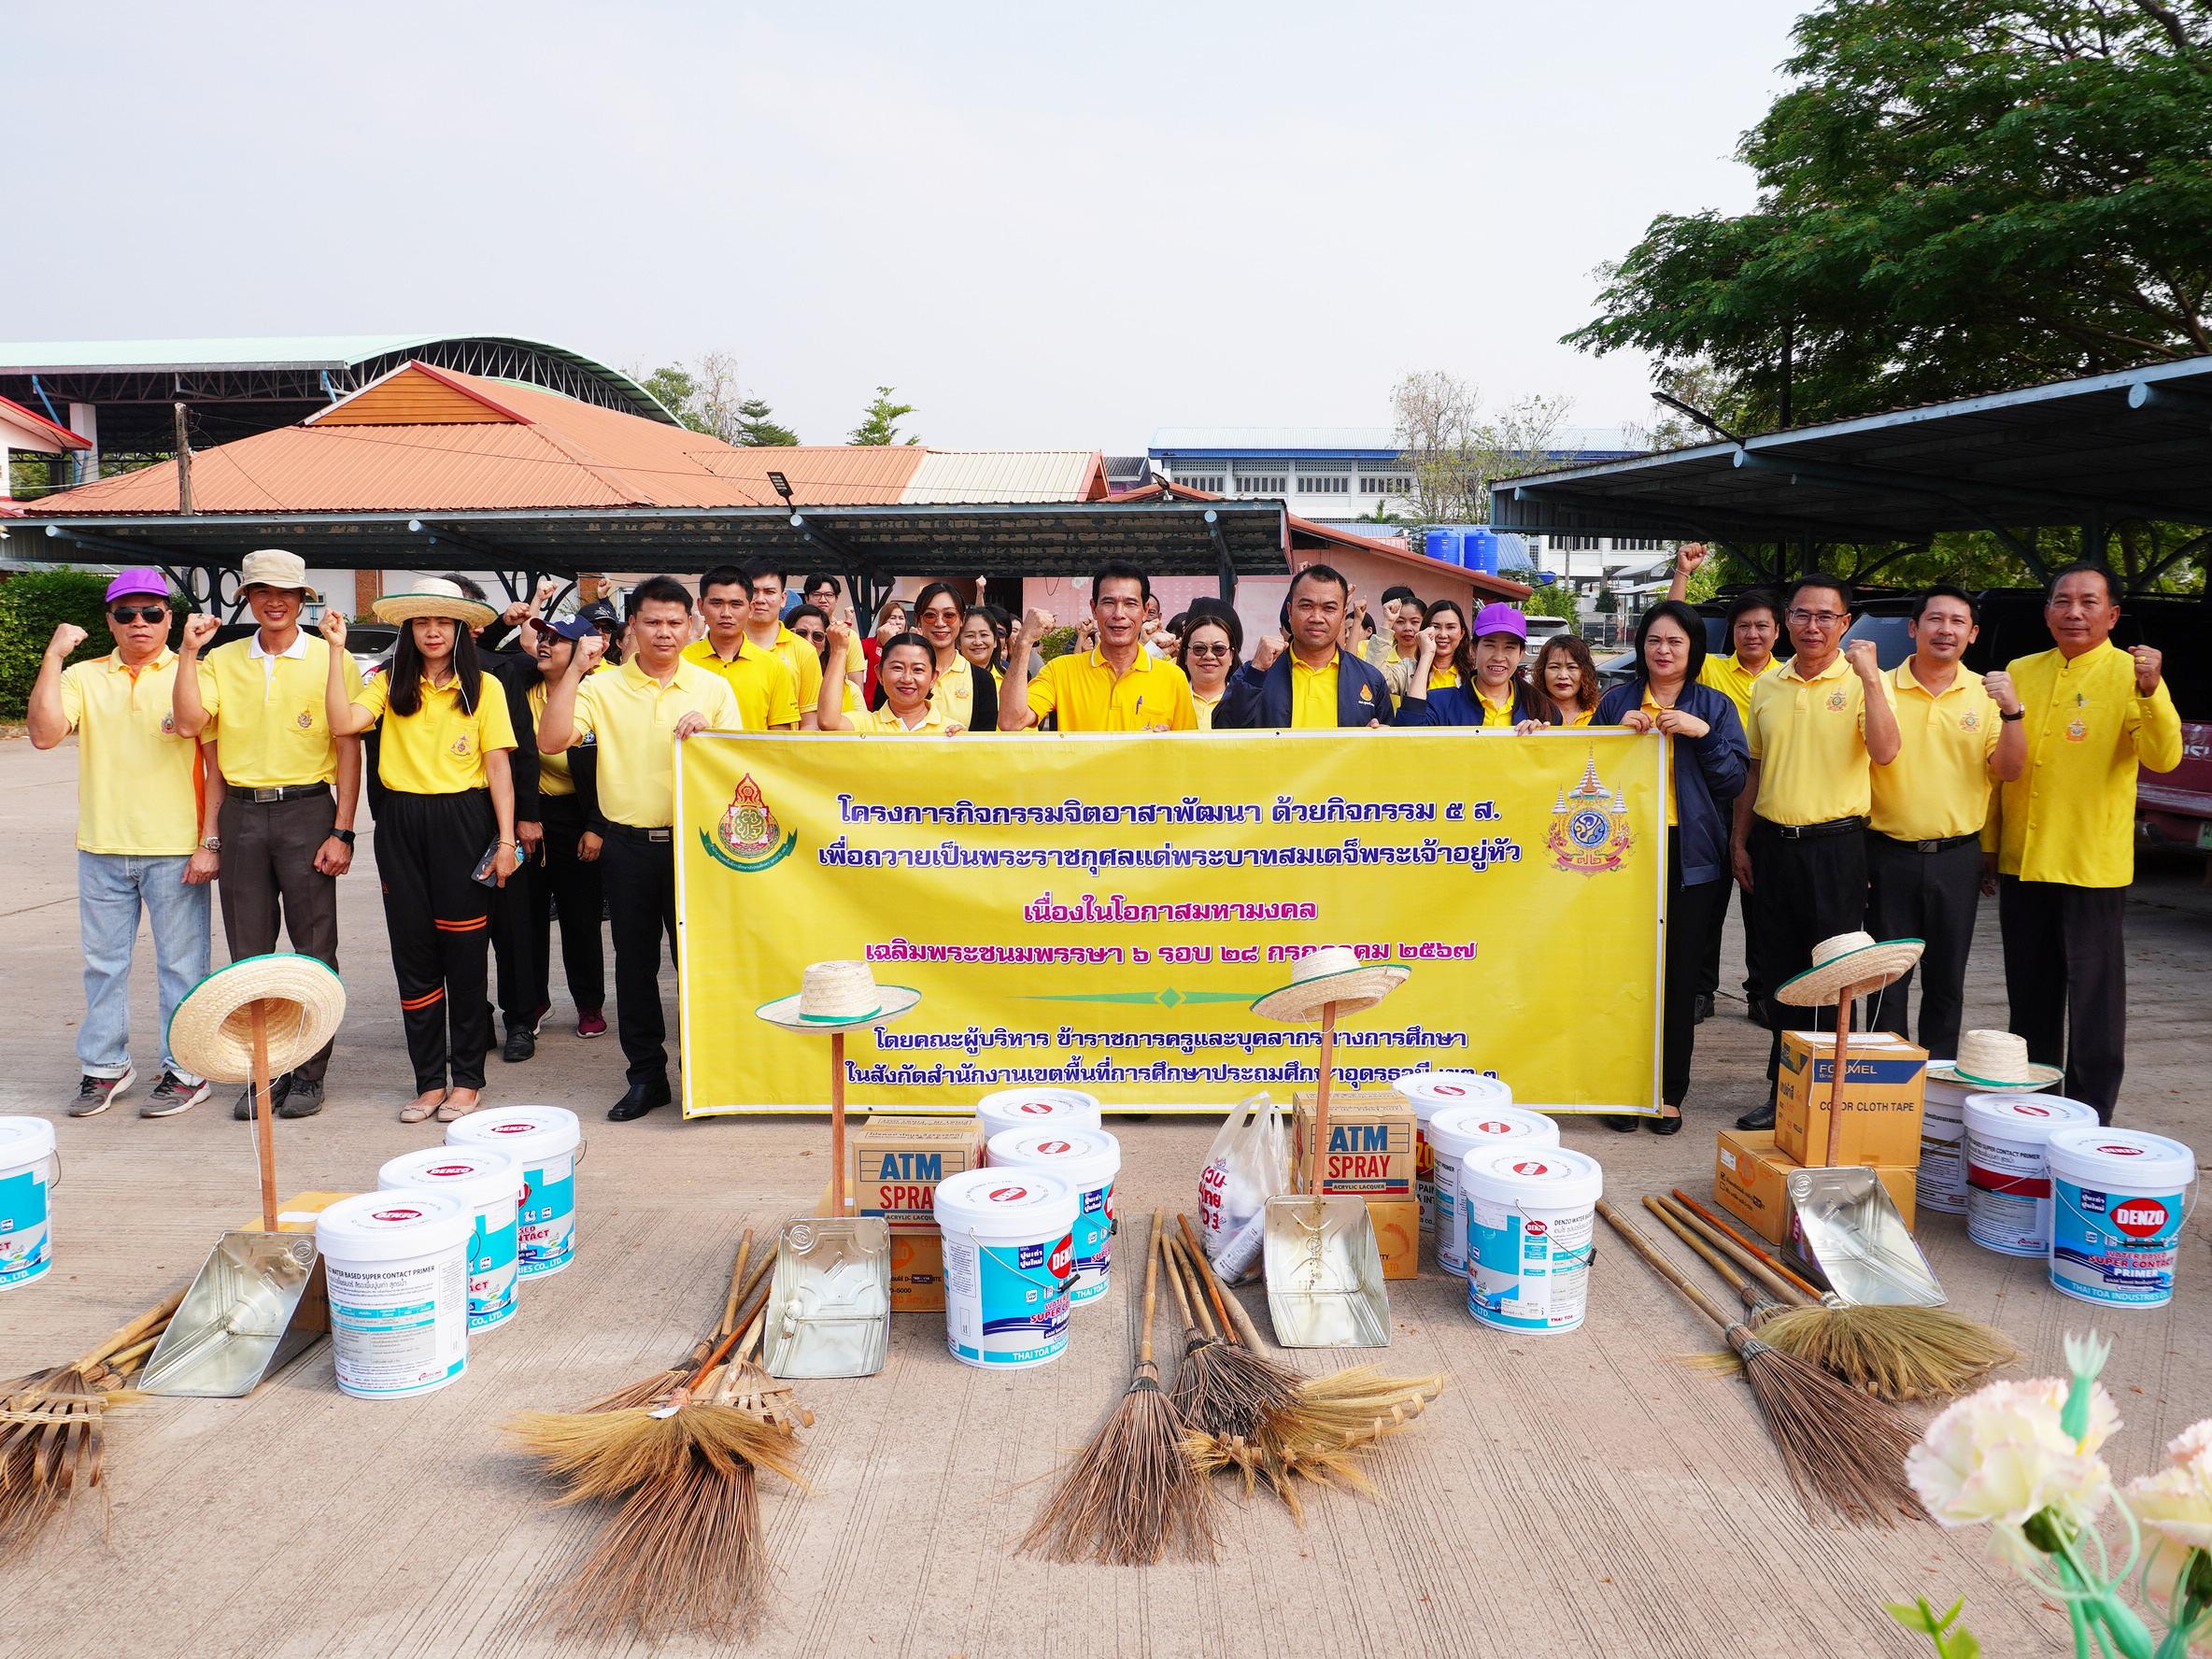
[[830, 1301], [1323, 1267]]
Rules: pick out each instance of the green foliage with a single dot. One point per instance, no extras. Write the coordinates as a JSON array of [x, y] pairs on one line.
[[879, 421], [1922, 1618], [32, 606], [675, 390], [703, 396], [1555, 599], [1057, 642], [758, 428]]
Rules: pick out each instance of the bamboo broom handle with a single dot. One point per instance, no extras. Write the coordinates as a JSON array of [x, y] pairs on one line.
[[753, 1298], [1190, 1320], [1761, 1267], [258, 1013], [737, 1277], [1706, 1252], [133, 1331], [1246, 1332], [1152, 1286], [1203, 1272], [837, 1123], [1204, 1322], [1665, 1268]]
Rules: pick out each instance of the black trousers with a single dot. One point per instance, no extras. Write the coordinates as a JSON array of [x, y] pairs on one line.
[[1693, 920], [1808, 890], [1932, 897], [2067, 976], [640, 877], [561, 882], [1709, 975], [440, 923], [269, 881]]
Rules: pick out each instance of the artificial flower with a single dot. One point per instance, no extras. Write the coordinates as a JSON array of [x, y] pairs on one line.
[[2177, 1502], [2193, 1444], [2161, 1575], [2001, 1456]]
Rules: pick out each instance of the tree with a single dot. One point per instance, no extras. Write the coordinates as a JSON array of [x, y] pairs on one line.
[[879, 421], [1553, 599], [758, 428], [704, 396], [1455, 452]]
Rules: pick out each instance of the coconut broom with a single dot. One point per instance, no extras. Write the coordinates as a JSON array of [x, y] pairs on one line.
[[1840, 1447], [651, 1389], [1224, 1388], [1132, 1494], [1895, 1352]]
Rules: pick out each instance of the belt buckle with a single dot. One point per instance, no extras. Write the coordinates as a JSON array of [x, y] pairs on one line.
[[262, 796], [658, 835], [1930, 847], [1791, 831]]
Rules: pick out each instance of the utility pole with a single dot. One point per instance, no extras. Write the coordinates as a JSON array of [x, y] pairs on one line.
[[184, 464]]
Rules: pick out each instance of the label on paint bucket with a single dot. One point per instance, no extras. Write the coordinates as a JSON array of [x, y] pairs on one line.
[[1009, 1264], [546, 1242], [493, 1274], [2112, 1244], [397, 1272], [27, 1234], [2008, 1180], [1088, 1161]]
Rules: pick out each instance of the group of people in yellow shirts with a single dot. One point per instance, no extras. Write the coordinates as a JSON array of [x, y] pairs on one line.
[[513, 786]]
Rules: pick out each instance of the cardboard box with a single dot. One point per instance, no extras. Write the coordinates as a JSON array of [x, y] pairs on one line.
[[1371, 1135], [1397, 1232], [1881, 1104], [297, 1214], [894, 1165], [1751, 1175]]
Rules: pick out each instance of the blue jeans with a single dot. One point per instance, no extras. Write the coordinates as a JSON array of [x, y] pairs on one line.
[[110, 888]]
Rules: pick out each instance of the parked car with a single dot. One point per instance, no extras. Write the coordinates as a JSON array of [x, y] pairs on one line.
[[369, 644]]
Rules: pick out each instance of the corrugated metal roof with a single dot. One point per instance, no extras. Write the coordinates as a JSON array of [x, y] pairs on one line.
[[1008, 475], [1323, 439], [291, 351], [819, 475]]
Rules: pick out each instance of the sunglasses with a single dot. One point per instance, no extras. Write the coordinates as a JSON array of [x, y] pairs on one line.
[[1221, 650], [127, 614]]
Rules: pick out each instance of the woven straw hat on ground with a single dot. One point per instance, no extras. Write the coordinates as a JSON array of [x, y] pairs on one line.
[[1996, 1060], [433, 596], [1850, 961], [1330, 974], [836, 997], [211, 1033]]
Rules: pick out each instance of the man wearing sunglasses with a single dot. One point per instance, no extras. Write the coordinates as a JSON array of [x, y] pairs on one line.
[[141, 811]]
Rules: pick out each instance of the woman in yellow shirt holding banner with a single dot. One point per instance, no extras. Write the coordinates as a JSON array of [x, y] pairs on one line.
[[907, 672], [444, 831]]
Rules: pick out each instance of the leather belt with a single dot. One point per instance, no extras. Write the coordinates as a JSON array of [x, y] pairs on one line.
[[1813, 831], [264, 796], [632, 833], [1940, 844]]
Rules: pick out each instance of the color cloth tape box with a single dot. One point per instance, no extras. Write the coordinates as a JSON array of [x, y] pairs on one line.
[[1881, 1103], [1371, 1143]]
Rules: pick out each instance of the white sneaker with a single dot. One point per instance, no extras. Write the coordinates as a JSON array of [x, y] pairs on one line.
[[172, 1095], [95, 1094]]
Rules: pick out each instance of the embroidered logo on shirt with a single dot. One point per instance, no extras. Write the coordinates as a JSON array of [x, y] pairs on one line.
[[169, 725], [1970, 721], [307, 720], [460, 746], [2076, 729], [1837, 700], [1367, 694]]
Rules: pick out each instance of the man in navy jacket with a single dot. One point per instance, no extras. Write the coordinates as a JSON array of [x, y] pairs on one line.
[[1316, 683]]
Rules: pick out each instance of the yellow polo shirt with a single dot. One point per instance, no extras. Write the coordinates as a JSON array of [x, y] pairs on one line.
[[1495, 715], [1082, 688], [762, 684], [1314, 694], [1939, 783], [554, 777], [633, 718], [439, 749], [138, 783], [882, 722], [2070, 815], [1203, 708], [271, 731], [1440, 677], [952, 698], [1582, 719], [1809, 738], [1654, 708], [1732, 680], [800, 664]]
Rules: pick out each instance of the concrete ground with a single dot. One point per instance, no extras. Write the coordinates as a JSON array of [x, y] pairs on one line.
[[1581, 1495]]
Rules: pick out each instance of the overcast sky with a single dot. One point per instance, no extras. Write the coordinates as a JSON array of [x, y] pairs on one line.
[[1045, 225]]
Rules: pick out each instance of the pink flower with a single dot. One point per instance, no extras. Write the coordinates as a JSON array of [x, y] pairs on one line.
[[2000, 1456]]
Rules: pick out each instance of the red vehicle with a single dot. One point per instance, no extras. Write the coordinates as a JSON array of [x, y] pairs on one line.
[[2173, 808]]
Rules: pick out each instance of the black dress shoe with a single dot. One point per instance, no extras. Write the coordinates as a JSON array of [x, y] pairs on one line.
[[1621, 1123], [1755, 1011], [1702, 1011], [521, 1044], [278, 1089], [1761, 1119], [642, 1097], [1665, 1126]]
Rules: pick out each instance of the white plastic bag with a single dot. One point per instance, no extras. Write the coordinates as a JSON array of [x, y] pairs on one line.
[[1248, 1164]]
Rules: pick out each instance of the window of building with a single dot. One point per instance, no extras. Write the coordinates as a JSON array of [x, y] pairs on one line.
[[1575, 544], [1324, 483], [1210, 482], [1262, 483], [1385, 484]]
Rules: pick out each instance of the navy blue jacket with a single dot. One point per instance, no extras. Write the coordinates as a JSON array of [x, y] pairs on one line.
[[1255, 701], [1709, 772], [1458, 705]]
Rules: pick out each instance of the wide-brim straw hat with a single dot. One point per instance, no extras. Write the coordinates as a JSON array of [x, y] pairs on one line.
[[836, 997], [1995, 1060], [1334, 975], [434, 597], [211, 1033], [1850, 961]]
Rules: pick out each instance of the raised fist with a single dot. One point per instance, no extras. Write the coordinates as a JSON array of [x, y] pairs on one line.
[[1036, 623], [1861, 655], [1429, 648], [2150, 662], [841, 635], [1265, 649], [198, 631], [332, 627], [67, 637], [588, 652], [1693, 555], [1998, 684]]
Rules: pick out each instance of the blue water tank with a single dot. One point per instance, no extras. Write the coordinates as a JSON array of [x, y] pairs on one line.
[[1479, 550], [1444, 544]]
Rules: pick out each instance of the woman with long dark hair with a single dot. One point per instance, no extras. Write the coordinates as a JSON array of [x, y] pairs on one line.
[[1711, 761], [448, 809], [963, 694], [1455, 646], [1212, 641], [1565, 676]]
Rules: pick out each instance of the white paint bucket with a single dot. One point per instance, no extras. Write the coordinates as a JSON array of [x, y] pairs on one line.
[[1009, 1259], [1530, 1212], [1088, 1160], [2119, 1198], [1038, 1108], [26, 1187], [1458, 1131], [490, 1184], [1943, 1146], [1431, 1092], [2008, 1183], [397, 1263], [548, 1143]]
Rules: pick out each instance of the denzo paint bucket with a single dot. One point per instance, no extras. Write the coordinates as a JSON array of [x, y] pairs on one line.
[[1009, 1259], [1943, 1144], [548, 1141], [489, 1183], [1429, 1093], [26, 1185], [2008, 1185], [1455, 1132], [1088, 1160], [1037, 1109], [397, 1265], [2118, 1198], [1529, 1213]]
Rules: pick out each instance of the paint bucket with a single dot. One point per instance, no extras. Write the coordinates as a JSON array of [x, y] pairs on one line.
[[2117, 1202], [1009, 1259], [1529, 1212], [1037, 1109], [1452, 1134], [2008, 1183], [26, 1185], [397, 1263], [548, 1143], [1943, 1142], [1088, 1160], [1429, 1093], [490, 1184]]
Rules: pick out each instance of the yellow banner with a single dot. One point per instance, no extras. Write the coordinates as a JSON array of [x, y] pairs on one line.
[[1098, 911]]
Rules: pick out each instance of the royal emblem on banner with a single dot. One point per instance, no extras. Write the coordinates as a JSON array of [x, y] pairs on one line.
[[746, 838], [1589, 833]]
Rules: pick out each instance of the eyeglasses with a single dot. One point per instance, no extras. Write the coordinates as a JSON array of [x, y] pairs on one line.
[[127, 614], [1825, 618], [1220, 650]]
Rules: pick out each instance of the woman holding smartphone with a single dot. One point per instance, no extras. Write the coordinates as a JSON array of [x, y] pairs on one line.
[[445, 830]]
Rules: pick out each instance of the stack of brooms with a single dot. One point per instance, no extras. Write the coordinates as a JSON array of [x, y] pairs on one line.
[[678, 1452]]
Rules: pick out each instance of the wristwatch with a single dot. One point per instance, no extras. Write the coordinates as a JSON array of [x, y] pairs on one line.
[[344, 835], [213, 843], [2018, 713]]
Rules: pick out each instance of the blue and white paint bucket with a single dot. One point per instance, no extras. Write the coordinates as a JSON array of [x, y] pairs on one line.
[[1037, 1109], [1454, 1134], [1429, 1093], [26, 1187], [1088, 1160], [1530, 1211], [2008, 1182], [397, 1263], [548, 1142], [1008, 1260], [490, 1184], [2118, 1198]]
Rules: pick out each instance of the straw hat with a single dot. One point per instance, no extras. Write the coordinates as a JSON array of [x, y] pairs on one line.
[[433, 596], [1330, 974], [836, 997], [1850, 961], [211, 1033], [1994, 1060]]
